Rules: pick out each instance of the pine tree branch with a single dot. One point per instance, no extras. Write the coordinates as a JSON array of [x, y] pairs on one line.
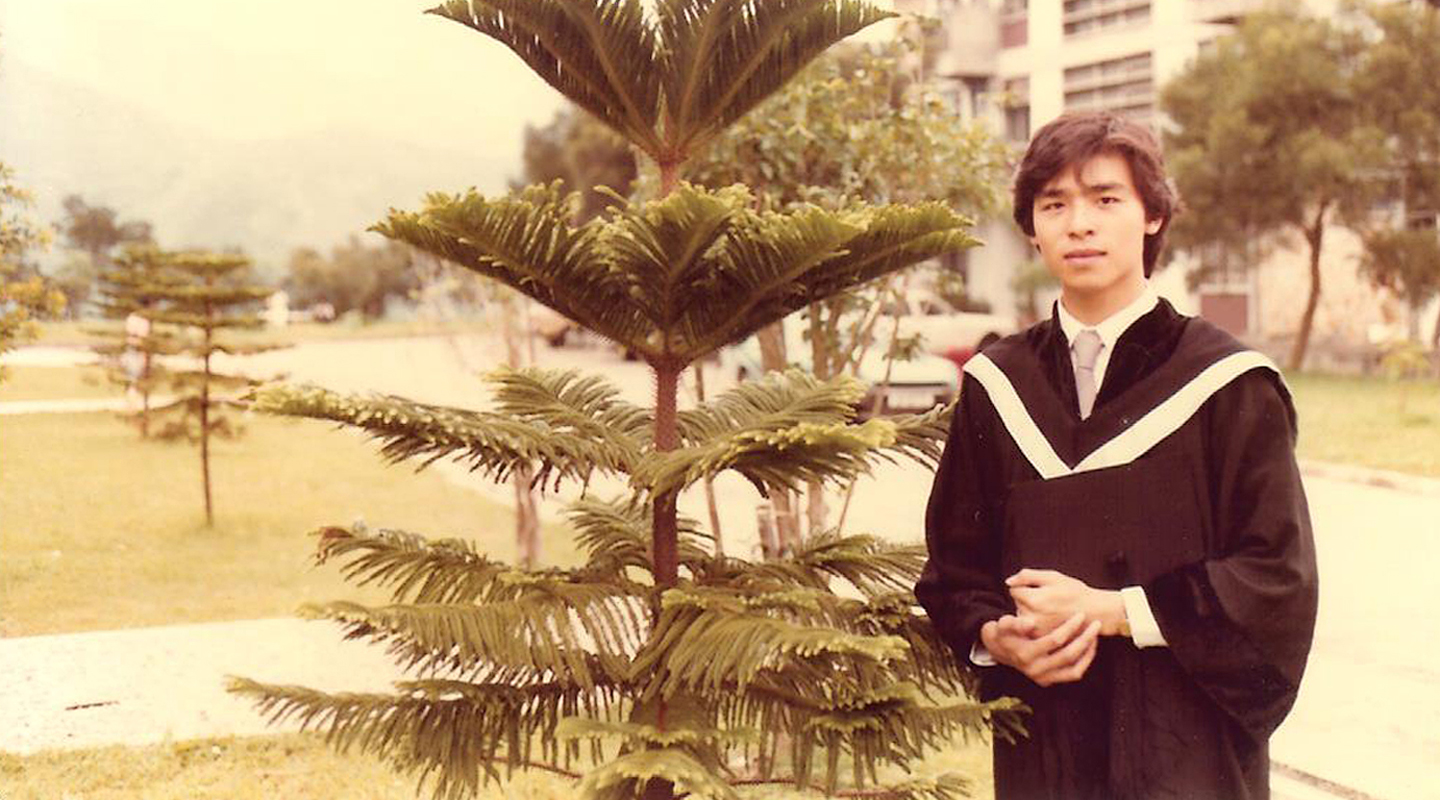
[[701, 644], [724, 58], [447, 731], [779, 271], [566, 401], [492, 444], [527, 243], [584, 633], [616, 534], [599, 54]]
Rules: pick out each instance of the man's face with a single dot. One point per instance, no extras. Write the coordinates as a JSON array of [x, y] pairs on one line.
[[1090, 228]]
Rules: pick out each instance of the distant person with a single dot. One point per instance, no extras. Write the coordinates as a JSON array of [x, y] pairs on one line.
[[1117, 531], [133, 360]]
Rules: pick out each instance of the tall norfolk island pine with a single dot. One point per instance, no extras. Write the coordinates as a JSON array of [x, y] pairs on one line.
[[203, 295], [667, 662]]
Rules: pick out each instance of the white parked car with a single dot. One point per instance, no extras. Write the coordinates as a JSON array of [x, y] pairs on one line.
[[957, 335], [914, 386]]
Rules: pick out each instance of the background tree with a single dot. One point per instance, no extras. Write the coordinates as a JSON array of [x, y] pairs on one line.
[[355, 277], [211, 296], [1270, 141], [93, 232], [1398, 88], [1030, 279], [855, 126], [584, 155], [131, 292], [25, 295], [1405, 261], [665, 675], [588, 158]]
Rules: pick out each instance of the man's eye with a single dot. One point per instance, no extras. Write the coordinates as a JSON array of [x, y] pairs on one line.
[[1051, 206], [1108, 200]]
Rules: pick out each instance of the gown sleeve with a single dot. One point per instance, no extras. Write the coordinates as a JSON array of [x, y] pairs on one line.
[[1240, 622], [958, 587]]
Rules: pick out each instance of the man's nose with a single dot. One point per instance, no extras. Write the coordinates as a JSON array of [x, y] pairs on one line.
[[1081, 224]]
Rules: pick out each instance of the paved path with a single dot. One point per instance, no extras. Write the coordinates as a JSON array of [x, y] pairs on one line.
[[148, 685], [1367, 723]]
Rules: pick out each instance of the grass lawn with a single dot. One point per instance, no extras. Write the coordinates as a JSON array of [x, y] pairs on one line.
[[56, 383], [297, 767], [101, 530], [1371, 422]]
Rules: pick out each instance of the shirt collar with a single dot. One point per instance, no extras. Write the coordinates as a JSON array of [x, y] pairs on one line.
[[1112, 327]]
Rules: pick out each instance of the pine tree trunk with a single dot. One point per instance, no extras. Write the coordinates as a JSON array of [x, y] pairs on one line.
[[664, 533], [1315, 236], [205, 425], [667, 437], [145, 394]]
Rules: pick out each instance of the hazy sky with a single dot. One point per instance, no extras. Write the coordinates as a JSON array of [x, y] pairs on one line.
[[261, 68]]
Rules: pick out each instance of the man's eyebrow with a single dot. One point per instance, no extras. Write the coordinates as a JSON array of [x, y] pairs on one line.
[[1104, 188], [1052, 193]]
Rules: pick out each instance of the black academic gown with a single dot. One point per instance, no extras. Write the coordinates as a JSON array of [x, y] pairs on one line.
[[1199, 502]]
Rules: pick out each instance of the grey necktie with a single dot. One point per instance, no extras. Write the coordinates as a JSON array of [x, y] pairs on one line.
[[1084, 350]]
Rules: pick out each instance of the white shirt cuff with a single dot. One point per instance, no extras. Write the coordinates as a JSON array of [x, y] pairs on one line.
[[981, 657], [1144, 630]]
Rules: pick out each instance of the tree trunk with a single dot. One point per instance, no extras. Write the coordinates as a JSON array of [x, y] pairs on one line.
[[1314, 236], [825, 368], [664, 532], [816, 510], [665, 527], [527, 514], [527, 518], [145, 368], [709, 482], [205, 425], [773, 357]]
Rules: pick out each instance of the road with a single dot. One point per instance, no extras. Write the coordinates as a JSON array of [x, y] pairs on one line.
[[1367, 723]]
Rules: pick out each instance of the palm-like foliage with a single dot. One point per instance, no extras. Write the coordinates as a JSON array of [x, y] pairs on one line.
[[671, 669], [679, 277], [667, 86]]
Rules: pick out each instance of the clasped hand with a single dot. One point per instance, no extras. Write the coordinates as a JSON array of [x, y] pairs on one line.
[[1053, 636]]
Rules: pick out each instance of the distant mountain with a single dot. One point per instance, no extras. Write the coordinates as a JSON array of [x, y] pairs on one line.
[[266, 197]]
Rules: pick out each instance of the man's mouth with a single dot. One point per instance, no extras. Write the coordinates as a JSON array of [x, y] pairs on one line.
[[1082, 255]]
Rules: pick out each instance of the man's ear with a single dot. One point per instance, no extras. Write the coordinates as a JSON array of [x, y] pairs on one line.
[[1153, 226]]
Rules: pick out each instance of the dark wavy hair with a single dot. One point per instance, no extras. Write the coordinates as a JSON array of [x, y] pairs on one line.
[[1076, 137]]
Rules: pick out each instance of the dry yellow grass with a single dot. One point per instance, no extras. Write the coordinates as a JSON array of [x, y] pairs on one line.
[[102, 530]]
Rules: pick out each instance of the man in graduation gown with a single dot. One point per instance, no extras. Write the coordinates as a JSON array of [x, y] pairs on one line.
[[1117, 533]]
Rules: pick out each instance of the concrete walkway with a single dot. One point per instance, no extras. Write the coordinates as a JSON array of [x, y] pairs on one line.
[[148, 685]]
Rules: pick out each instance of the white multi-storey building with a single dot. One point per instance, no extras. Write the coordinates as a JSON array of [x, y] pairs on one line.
[[1017, 64]]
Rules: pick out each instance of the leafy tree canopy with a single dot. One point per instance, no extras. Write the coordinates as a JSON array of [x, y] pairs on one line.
[[354, 277], [1270, 141], [854, 126], [25, 295]]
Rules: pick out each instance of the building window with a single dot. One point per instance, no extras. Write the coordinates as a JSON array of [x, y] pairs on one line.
[[1014, 23], [1016, 102], [1084, 17], [1123, 85]]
